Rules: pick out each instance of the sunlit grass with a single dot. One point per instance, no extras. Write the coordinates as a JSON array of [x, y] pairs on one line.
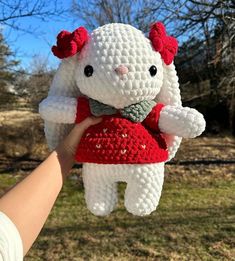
[[194, 221]]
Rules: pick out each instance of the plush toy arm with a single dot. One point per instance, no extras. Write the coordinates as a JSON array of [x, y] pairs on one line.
[[151, 121], [59, 109], [181, 121]]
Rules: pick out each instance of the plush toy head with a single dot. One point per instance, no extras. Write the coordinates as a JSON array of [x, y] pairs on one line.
[[125, 67], [116, 65]]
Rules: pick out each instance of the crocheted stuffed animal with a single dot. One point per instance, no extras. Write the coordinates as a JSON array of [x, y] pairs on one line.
[[130, 80]]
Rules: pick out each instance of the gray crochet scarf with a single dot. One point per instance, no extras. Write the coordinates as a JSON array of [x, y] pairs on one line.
[[136, 112]]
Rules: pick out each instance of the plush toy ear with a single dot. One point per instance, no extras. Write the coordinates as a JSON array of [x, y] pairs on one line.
[[167, 46], [170, 95], [63, 84]]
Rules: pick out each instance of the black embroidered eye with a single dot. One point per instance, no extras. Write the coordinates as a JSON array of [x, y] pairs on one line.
[[153, 70], [88, 71]]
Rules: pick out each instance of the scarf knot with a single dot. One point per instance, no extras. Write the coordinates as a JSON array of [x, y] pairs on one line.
[[135, 112]]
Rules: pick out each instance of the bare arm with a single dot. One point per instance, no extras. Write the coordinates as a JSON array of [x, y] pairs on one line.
[[29, 203], [181, 121]]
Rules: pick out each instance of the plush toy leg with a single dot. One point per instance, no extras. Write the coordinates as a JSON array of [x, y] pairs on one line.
[[144, 187], [100, 190]]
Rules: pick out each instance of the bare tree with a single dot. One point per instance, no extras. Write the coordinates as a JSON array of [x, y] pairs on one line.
[[11, 12], [31, 85], [211, 23], [202, 19], [34, 85], [139, 13]]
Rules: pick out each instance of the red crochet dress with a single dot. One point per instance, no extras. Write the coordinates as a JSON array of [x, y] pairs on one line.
[[117, 140]]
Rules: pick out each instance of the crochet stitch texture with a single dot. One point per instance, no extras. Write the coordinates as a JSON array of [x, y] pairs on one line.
[[117, 140], [119, 67]]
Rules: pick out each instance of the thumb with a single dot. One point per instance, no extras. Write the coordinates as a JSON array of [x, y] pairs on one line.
[[88, 122], [71, 142]]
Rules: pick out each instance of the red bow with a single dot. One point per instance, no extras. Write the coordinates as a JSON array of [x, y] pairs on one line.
[[166, 45], [68, 44]]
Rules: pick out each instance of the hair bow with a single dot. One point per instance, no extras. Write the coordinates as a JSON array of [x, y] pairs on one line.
[[166, 45], [68, 44]]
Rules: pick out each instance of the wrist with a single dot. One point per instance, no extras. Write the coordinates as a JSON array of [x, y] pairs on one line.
[[65, 158]]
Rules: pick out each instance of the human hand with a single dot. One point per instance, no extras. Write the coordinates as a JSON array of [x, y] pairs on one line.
[[69, 145]]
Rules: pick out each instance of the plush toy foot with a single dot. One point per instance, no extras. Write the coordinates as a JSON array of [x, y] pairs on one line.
[[100, 195], [144, 189]]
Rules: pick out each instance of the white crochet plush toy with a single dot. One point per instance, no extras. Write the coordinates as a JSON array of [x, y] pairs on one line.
[[129, 80]]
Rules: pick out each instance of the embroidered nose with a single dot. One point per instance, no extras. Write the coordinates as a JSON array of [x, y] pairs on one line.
[[121, 69]]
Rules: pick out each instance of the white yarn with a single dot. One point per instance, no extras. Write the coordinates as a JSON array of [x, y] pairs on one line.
[[170, 95], [58, 109], [109, 47], [144, 186], [113, 45], [63, 84], [181, 121]]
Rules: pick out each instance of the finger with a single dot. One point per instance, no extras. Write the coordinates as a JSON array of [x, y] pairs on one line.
[[74, 137], [89, 121]]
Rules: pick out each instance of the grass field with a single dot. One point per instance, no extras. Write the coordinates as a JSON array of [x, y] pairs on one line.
[[194, 221]]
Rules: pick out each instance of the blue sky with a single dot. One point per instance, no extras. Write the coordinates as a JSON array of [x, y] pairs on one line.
[[27, 45], [39, 44]]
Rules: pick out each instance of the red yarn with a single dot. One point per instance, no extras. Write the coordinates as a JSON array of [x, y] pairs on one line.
[[83, 109], [117, 140], [151, 121], [68, 44], [166, 45]]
